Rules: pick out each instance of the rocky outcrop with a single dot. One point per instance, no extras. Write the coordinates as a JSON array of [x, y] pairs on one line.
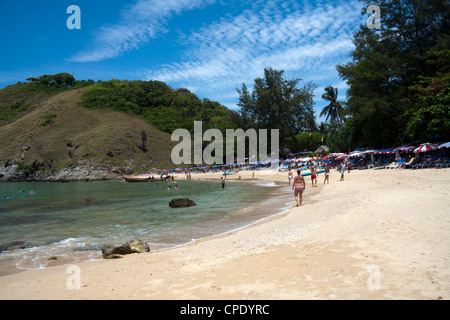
[[181, 203], [130, 247], [81, 171]]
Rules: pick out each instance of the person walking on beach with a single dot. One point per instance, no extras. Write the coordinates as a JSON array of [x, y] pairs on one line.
[[299, 185], [342, 170], [290, 176], [313, 176], [327, 174]]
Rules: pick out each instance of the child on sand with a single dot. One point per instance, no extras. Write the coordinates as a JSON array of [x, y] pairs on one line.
[[299, 185]]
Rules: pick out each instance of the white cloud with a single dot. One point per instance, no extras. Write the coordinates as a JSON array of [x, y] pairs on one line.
[[140, 23], [307, 42]]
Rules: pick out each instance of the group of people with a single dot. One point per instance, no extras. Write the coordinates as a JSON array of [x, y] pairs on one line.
[[169, 188], [299, 183]]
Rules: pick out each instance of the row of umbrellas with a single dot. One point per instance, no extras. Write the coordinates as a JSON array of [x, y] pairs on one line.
[[424, 147]]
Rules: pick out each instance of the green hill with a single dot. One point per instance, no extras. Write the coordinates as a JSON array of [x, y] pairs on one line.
[[85, 131]]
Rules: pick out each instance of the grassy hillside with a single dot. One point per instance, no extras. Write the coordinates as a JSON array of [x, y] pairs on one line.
[[161, 106], [58, 122], [56, 132]]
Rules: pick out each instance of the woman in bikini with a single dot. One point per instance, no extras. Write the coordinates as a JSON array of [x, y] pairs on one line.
[[299, 186]]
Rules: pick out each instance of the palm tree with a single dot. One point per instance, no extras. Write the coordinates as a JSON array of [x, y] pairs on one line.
[[334, 111]]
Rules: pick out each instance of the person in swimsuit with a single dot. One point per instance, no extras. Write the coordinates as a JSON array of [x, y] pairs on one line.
[[313, 176], [290, 176], [327, 174], [299, 186]]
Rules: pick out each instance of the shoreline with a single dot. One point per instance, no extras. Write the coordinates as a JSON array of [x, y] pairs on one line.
[[69, 258], [391, 219]]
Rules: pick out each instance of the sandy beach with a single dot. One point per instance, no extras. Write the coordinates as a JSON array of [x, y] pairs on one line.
[[380, 234]]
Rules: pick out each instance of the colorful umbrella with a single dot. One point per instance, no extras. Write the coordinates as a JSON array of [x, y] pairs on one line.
[[385, 151], [342, 156], [426, 147], [445, 145], [406, 149]]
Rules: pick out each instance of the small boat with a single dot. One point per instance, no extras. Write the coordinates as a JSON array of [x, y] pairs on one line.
[[142, 179]]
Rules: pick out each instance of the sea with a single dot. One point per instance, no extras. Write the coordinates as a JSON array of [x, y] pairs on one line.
[[47, 224]]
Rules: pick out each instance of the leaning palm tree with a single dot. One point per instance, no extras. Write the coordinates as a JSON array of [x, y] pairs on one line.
[[335, 110]]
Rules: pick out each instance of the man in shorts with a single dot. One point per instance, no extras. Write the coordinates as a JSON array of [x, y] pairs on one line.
[[313, 176]]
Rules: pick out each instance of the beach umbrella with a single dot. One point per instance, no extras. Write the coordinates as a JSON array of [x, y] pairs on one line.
[[445, 145], [342, 156], [406, 149], [385, 151], [425, 147]]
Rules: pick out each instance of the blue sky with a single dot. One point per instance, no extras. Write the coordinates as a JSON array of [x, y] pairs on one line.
[[210, 47]]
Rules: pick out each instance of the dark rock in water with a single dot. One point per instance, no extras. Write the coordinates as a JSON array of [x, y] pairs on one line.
[[16, 245], [181, 203], [130, 247], [52, 258], [89, 201]]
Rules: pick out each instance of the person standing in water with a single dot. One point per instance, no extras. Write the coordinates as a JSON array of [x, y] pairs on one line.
[[223, 182], [299, 186]]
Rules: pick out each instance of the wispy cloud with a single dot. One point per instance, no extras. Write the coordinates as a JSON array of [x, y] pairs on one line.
[[305, 40], [140, 22]]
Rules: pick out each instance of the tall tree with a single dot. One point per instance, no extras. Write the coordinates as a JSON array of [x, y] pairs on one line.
[[429, 114], [334, 110], [278, 103], [387, 62]]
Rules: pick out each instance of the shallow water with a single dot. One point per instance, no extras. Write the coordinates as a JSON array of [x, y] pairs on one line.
[[43, 220]]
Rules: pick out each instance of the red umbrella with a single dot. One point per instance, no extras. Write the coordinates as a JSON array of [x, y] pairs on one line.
[[342, 156], [426, 147]]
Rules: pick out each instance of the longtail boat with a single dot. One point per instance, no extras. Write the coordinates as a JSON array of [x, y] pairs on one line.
[[142, 179]]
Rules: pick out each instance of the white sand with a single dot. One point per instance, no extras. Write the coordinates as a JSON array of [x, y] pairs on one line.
[[380, 234]]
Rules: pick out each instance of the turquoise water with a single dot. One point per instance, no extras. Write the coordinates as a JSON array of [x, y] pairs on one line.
[[53, 220]]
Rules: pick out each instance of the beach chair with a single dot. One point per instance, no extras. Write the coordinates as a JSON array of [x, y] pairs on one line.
[[419, 165], [408, 164], [399, 164], [393, 164], [443, 164]]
